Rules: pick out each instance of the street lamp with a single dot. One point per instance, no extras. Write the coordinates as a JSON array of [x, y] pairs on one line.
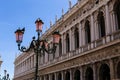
[[40, 46], [6, 76]]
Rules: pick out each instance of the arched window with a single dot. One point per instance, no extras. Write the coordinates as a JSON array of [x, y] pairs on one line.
[[104, 72], [53, 77], [101, 24], [67, 76], [89, 74], [117, 13], [118, 70], [59, 76], [42, 77], [77, 75], [87, 32], [67, 43], [60, 47], [47, 77], [76, 36]]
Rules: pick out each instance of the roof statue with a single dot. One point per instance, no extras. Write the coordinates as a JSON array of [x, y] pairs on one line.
[[56, 18], [62, 11], [70, 4]]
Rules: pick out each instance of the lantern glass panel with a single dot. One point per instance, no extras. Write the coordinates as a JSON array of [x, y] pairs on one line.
[[46, 44], [19, 36], [39, 26], [56, 38]]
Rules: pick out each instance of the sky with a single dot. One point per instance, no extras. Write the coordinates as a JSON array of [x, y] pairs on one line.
[[16, 14]]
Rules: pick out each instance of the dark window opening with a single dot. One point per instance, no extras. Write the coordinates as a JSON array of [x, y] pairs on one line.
[[76, 35], [59, 76], [118, 70], [53, 77], [77, 75], [104, 72], [87, 32], [67, 43], [117, 12], [60, 48], [89, 74], [101, 24], [67, 76]]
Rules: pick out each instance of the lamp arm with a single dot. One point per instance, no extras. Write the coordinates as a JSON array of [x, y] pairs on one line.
[[51, 50], [24, 49]]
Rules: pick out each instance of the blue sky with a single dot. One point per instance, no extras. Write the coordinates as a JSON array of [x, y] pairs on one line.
[[23, 13]]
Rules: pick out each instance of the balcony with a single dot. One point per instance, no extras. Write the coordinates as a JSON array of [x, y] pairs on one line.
[[99, 43]]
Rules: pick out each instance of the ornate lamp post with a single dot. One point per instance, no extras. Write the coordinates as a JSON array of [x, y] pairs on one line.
[[39, 46], [6, 76]]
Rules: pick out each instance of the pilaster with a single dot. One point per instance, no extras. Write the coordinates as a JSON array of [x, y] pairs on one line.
[[108, 26], [71, 74], [92, 28], [62, 38], [80, 34], [112, 72], [70, 39]]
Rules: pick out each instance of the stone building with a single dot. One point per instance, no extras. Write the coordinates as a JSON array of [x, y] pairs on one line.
[[0, 62], [89, 48]]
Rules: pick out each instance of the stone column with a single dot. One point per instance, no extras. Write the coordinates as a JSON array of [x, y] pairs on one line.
[[112, 72], [81, 74], [34, 60], [21, 67], [92, 28], [108, 26], [26, 65], [96, 31], [44, 77], [112, 22], [62, 37], [94, 72], [64, 42], [55, 76], [57, 52], [46, 57], [31, 61], [73, 39], [49, 76], [80, 35], [38, 60], [83, 37], [71, 74], [70, 33], [40, 77], [62, 73]]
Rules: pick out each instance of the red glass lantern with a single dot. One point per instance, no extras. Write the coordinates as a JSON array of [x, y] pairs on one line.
[[39, 24], [56, 37], [19, 35], [46, 43]]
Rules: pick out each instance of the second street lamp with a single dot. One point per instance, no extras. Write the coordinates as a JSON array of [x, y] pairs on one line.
[[39, 46]]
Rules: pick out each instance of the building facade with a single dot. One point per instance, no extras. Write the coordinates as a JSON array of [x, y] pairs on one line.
[[89, 48]]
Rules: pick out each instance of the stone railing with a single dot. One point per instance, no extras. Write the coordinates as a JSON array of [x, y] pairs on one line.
[[116, 35]]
